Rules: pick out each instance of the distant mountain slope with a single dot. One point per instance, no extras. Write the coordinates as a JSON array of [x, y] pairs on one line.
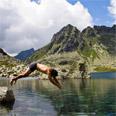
[[69, 39], [25, 54], [9, 65]]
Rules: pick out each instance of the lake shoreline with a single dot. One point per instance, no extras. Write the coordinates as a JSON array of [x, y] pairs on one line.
[[89, 76], [31, 78]]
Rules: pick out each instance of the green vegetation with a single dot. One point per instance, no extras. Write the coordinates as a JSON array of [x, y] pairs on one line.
[[9, 66], [39, 54], [105, 69], [8, 61]]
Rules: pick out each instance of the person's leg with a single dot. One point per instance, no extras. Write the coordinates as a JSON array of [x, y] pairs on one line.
[[82, 75], [24, 74], [32, 67]]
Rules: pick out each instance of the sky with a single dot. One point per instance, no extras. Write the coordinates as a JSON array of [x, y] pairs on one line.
[[99, 10], [26, 24]]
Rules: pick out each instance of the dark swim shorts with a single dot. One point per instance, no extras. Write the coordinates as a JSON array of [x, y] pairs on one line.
[[33, 66]]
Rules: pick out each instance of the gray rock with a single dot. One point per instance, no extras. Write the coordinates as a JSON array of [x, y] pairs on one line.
[[6, 96]]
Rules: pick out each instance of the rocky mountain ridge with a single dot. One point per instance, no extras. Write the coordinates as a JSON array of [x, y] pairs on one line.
[[70, 39]]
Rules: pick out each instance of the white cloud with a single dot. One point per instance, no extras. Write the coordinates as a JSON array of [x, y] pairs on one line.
[[112, 9], [25, 24]]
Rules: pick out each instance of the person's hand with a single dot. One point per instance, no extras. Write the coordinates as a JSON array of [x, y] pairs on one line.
[[60, 87], [13, 81]]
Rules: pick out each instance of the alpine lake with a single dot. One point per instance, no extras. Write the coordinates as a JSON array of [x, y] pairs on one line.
[[78, 97]]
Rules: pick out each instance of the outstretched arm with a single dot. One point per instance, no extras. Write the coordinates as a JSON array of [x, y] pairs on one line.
[[55, 79], [54, 82]]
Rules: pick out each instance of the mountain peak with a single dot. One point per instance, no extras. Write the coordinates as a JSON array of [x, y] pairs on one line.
[[25, 54], [69, 25], [70, 39], [65, 32], [89, 32], [2, 52], [66, 40]]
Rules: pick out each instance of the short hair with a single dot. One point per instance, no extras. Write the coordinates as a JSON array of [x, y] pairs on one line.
[[54, 73]]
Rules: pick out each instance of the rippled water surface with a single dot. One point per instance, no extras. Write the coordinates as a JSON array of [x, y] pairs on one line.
[[34, 97]]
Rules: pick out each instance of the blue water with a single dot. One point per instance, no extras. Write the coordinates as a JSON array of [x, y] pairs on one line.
[[103, 75], [79, 97]]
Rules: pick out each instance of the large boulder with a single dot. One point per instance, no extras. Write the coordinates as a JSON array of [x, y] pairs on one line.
[[6, 95]]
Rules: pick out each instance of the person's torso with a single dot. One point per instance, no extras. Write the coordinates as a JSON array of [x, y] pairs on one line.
[[43, 68]]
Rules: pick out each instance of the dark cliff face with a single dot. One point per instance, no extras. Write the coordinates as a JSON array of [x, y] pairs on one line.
[[66, 40], [2, 52], [107, 37], [105, 30]]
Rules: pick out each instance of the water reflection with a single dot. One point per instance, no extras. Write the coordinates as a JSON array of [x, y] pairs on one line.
[[78, 97], [5, 108]]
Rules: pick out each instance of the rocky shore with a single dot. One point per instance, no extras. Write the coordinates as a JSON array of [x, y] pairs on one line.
[[10, 71], [67, 65]]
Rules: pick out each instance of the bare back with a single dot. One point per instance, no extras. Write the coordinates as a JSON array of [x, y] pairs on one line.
[[43, 68]]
